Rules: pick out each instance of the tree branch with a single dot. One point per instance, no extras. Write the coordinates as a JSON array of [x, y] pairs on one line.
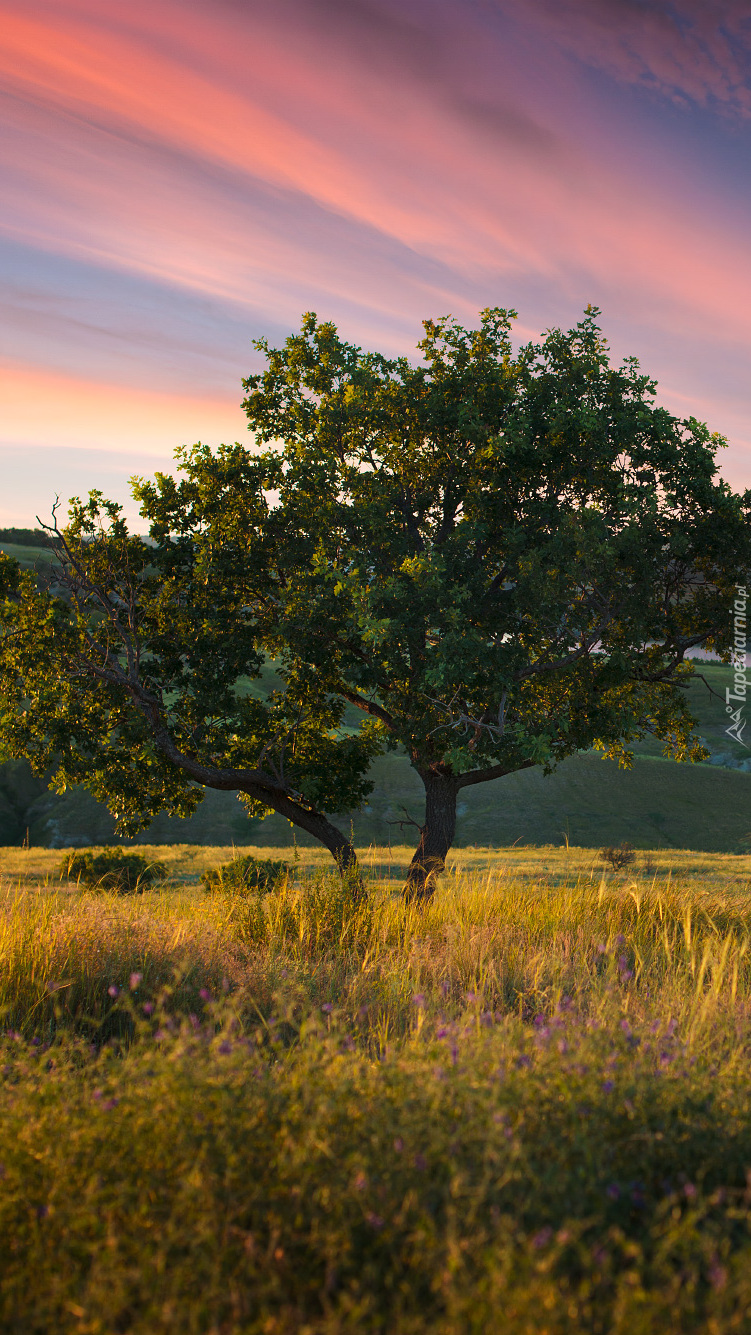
[[494, 772]]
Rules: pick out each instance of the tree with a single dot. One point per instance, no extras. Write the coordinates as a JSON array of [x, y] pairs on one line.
[[494, 561]]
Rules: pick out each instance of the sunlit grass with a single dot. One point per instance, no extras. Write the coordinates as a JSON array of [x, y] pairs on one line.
[[526, 1107]]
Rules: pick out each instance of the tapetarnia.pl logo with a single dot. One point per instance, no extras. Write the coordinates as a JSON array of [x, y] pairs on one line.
[[735, 697]]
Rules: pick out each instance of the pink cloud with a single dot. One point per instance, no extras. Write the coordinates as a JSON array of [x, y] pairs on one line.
[[39, 406], [689, 49], [447, 159]]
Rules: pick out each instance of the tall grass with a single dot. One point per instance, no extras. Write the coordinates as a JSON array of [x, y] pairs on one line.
[[525, 1108]]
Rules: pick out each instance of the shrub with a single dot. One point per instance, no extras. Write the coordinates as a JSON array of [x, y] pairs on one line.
[[112, 869], [246, 876], [620, 857]]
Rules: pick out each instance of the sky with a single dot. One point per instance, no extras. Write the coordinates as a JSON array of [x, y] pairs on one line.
[[180, 177]]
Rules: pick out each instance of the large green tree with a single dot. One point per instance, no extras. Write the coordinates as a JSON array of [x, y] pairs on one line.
[[491, 560]]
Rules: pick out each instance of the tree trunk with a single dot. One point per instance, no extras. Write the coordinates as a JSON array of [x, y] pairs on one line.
[[436, 835], [340, 847]]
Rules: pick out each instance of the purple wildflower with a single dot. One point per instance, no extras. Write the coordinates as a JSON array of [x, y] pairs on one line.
[[689, 1191], [327, 1007], [135, 979], [148, 1008], [398, 1144], [418, 1000], [608, 1086], [718, 1275], [113, 990], [109, 1105], [613, 1192], [204, 994], [542, 1238], [225, 1048], [374, 1220]]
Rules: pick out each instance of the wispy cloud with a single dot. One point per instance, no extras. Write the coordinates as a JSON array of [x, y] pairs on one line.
[[201, 173]]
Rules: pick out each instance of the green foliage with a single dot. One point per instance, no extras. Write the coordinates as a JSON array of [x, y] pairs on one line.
[[245, 876], [492, 560], [112, 869]]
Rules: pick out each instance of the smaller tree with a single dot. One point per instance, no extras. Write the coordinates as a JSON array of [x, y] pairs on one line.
[[492, 561]]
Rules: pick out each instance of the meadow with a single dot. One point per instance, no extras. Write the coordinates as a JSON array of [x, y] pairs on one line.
[[526, 1107]]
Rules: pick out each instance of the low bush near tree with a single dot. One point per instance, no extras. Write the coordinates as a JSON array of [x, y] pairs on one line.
[[112, 869]]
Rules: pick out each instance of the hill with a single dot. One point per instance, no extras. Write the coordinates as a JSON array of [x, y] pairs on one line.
[[588, 801]]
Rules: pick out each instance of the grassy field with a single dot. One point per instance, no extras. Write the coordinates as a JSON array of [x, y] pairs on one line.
[[525, 1108]]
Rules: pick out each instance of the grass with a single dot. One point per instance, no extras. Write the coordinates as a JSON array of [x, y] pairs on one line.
[[527, 1107]]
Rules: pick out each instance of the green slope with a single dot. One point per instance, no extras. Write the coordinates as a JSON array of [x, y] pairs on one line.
[[589, 801]]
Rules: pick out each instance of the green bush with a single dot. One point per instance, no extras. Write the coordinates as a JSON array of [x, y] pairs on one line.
[[246, 876], [112, 869]]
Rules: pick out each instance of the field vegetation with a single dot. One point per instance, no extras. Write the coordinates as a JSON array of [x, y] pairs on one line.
[[524, 1106]]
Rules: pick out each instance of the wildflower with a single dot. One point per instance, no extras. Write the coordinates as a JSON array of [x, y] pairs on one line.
[[445, 987], [35, 1042], [374, 1220], [148, 1008], [398, 1144], [689, 1191], [225, 1048], [109, 1105], [327, 1007], [361, 1182], [613, 1192], [204, 994], [562, 1046], [626, 1027], [135, 979], [113, 990], [97, 1094], [717, 1275], [441, 1033], [470, 997], [539, 1020], [620, 940], [542, 1238], [418, 1000], [421, 1163], [608, 1086]]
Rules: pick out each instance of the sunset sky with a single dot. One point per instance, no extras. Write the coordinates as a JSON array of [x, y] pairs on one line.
[[180, 178]]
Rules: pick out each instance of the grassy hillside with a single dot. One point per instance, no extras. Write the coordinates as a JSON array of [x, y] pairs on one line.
[[589, 801]]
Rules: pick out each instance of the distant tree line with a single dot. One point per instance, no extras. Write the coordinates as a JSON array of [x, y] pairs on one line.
[[25, 537]]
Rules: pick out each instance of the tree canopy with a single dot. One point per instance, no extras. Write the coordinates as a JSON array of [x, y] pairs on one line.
[[488, 560]]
